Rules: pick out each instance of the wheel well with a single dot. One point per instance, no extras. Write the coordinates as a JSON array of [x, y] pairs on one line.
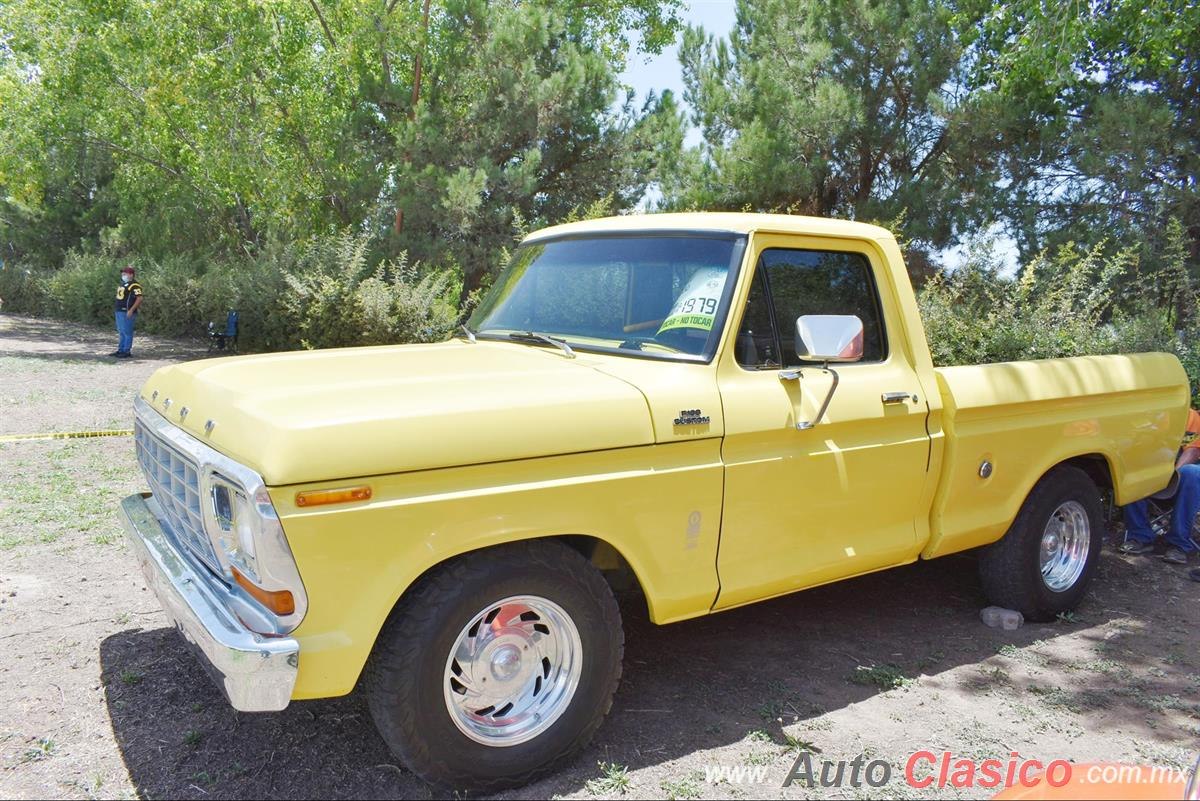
[[612, 565], [1100, 472], [1097, 468], [604, 557]]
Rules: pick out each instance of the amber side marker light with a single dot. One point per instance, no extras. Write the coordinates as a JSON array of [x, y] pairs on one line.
[[328, 496], [280, 602]]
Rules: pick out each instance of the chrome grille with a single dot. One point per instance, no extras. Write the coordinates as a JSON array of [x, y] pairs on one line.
[[175, 482]]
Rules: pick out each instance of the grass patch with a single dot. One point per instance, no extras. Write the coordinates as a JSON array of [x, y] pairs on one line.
[[930, 660], [1056, 697], [885, 677], [759, 758], [1017, 654], [204, 778], [613, 780], [43, 748], [1166, 703], [994, 676], [772, 710], [64, 494], [1105, 666], [797, 744], [687, 787]]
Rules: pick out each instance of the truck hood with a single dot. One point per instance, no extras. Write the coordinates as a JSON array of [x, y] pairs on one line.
[[331, 414]]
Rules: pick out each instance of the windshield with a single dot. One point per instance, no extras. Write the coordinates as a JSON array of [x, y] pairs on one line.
[[650, 295]]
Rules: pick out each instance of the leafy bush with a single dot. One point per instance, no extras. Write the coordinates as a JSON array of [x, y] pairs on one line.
[[335, 299], [316, 294], [1070, 302], [1058, 306], [19, 288]]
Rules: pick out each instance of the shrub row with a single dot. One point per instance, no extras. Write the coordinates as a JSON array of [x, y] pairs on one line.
[[322, 293], [1066, 303]]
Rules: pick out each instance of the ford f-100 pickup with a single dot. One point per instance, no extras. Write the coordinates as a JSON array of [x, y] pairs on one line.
[[722, 408]]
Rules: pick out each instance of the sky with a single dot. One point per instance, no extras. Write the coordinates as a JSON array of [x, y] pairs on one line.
[[656, 73], [646, 74]]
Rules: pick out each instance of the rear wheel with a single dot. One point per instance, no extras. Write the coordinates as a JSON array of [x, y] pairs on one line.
[[1044, 563], [497, 666]]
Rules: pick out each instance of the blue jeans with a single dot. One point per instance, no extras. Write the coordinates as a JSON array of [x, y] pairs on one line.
[[1187, 505], [125, 331]]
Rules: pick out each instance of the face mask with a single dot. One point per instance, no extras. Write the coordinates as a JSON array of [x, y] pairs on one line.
[[125, 279]]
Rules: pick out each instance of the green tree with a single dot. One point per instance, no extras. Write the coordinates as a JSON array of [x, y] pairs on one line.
[[1093, 106], [207, 126], [830, 108]]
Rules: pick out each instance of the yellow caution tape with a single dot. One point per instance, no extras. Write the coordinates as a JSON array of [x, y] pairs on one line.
[[124, 432]]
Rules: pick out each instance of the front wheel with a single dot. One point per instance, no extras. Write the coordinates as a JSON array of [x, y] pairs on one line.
[[1044, 563], [497, 666]]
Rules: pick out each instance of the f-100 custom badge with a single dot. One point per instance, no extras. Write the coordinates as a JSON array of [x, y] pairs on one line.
[[692, 417]]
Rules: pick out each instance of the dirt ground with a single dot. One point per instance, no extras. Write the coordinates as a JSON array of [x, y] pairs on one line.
[[99, 698]]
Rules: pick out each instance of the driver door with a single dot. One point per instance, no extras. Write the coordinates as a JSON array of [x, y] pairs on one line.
[[805, 507]]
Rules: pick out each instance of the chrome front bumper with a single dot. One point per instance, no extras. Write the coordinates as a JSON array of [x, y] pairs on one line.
[[256, 673]]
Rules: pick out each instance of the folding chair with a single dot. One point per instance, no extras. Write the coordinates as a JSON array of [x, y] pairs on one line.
[[226, 340]]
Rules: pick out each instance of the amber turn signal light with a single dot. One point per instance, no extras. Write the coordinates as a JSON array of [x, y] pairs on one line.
[[280, 602], [327, 496]]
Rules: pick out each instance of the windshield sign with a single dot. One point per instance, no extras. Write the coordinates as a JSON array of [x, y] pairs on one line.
[[648, 295]]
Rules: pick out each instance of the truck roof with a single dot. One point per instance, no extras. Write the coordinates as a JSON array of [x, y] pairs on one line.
[[733, 222]]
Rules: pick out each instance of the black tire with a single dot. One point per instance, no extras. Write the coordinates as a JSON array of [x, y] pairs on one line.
[[405, 675], [1010, 568]]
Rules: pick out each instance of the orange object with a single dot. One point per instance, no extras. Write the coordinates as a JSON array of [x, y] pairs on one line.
[[1190, 438], [341, 495], [1106, 780], [280, 602]]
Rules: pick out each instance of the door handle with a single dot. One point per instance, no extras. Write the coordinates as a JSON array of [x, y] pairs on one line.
[[897, 397]]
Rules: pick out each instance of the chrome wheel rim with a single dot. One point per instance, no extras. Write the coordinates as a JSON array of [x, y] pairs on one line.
[[1065, 544], [513, 670]]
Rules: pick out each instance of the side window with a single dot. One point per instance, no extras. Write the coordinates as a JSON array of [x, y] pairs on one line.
[[757, 345], [822, 282]]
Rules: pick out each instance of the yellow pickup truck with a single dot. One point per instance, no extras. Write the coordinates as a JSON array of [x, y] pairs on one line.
[[722, 408]]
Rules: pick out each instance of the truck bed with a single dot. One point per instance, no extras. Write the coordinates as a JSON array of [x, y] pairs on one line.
[[1123, 415]]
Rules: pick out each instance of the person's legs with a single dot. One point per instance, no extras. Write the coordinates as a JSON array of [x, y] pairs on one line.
[[1139, 537], [1137, 522], [130, 323], [123, 328], [120, 333], [1187, 506]]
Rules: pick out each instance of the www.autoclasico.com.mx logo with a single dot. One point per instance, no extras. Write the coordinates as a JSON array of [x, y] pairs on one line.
[[929, 769]]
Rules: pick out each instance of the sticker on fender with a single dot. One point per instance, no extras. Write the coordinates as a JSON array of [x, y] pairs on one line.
[[696, 306]]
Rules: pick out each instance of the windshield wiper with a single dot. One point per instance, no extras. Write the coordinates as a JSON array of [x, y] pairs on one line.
[[533, 336], [469, 333]]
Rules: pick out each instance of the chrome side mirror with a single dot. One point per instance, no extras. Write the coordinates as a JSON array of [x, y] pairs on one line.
[[829, 338], [825, 338]]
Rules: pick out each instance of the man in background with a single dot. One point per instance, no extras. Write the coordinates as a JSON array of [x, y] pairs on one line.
[[129, 298]]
